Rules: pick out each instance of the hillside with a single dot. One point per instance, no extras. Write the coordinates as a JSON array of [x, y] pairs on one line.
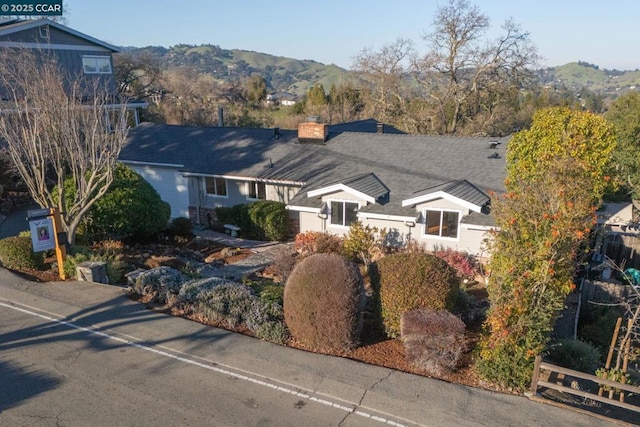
[[297, 76], [576, 75], [282, 74]]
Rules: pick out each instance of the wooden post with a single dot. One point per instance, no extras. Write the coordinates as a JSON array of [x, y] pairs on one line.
[[625, 357], [536, 375], [607, 365], [61, 249]]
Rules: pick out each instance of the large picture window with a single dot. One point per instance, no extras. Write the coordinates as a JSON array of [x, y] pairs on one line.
[[344, 213], [441, 223], [96, 64], [216, 186], [257, 190]]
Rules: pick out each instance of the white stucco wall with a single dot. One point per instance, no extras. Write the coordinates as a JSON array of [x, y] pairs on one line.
[[237, 193], [170, 185], [310, 222]]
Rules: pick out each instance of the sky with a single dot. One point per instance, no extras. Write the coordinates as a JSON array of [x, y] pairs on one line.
[[601, 32]]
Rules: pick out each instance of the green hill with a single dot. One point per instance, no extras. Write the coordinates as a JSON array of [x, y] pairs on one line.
[[576, 75], [297, 76], [282, 74]]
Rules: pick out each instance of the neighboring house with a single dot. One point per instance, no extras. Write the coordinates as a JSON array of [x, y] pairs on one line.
[[618, 234], [434, 189], [76, 53], [282, 98]]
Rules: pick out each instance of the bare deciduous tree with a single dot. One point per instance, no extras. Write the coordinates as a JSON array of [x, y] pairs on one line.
[[386, 71], [56, 125], [462, 69], [138, 76]]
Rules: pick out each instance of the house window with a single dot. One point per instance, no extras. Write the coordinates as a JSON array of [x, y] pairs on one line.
[[44, 32], [344, 213], [216, 186], [257, 190], [96, 64], [441, 223]]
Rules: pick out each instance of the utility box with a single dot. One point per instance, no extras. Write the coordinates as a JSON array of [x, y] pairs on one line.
[[92, 271]]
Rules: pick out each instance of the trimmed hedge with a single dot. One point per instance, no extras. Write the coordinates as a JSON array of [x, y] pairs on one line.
[[16, 252], [264, 219], [407, 281], [324, 301], [270, 219], [236, 215], [433, 340]]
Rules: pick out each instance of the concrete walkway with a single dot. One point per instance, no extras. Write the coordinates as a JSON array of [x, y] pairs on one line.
[[264, 255]]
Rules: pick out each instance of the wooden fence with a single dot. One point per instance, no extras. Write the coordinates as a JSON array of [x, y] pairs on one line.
[[604, 292], [554, 370], [624, 249]]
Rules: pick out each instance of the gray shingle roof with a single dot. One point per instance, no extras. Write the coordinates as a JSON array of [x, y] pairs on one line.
[[11, 26], [405, 164], [366, 183], [460, 188], [367, 126], [241, 152]]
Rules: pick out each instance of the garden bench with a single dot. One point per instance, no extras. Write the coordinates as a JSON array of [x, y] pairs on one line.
[[231, 229]]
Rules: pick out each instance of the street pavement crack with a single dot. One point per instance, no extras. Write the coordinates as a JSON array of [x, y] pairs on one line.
[[359, 404]]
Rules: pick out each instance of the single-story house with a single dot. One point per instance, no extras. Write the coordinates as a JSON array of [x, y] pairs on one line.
[[282, 98], [434, 189]]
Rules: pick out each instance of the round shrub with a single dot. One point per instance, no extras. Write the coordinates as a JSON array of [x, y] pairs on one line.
[[433, 340], [270, 219], [575, 354], [162, 282], [229, 303], [130, 208], [17, 253], [324, 301], [317, 242], [407, 281], [190, 290], [266, 320], [180, 226]]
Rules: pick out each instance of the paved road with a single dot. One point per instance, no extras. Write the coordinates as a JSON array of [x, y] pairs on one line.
[[77, 354], [15, 221]]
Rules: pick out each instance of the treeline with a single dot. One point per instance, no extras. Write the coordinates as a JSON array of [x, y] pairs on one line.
[[463, 84]]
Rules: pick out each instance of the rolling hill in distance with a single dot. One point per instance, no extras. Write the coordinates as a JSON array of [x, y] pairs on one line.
[[297, 76]]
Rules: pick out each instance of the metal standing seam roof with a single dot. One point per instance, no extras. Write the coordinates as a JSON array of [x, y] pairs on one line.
[[404, 164]]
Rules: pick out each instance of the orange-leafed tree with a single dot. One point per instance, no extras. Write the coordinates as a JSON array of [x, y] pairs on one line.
[[557, 174]]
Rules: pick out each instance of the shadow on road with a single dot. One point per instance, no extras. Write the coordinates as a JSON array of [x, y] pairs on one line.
[[19, 384]]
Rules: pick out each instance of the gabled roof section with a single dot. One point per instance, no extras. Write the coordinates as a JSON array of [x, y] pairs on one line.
[[365, 186], [9, 27], [459, 191]]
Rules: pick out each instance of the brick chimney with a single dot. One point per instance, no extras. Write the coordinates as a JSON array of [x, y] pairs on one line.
[[312, 131]]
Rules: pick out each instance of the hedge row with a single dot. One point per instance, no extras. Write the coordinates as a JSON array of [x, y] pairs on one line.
[[264, 219]]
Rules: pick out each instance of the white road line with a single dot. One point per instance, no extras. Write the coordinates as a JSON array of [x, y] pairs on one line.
[[351, 410]]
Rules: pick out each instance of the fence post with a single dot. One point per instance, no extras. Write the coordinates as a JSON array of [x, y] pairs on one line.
[[536, 375], [614, 340]]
